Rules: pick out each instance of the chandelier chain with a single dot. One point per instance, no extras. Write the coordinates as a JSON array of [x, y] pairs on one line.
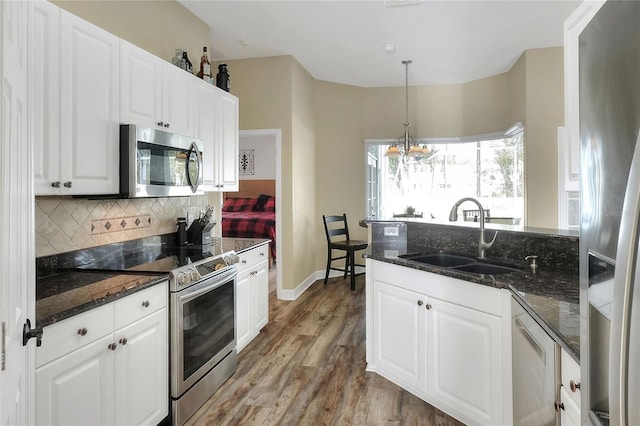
[[406, 91]]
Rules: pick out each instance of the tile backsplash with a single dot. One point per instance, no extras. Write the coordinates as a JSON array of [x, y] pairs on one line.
[[64, 224]]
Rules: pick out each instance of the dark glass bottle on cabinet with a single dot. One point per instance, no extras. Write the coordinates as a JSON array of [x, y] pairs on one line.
[[189, 65], [222, 79]]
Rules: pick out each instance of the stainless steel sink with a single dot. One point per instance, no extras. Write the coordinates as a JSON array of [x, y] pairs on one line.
[[485, 268], [440, 259], [459, 263]]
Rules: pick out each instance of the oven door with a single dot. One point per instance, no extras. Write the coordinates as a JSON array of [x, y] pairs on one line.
[[203, 329]]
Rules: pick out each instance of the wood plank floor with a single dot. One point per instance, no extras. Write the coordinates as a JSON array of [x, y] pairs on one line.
[[307, 367]]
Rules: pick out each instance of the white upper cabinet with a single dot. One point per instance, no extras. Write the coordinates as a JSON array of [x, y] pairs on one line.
[[44, 94], [216, 123], [154, 93], [75, 113], [229, 125]]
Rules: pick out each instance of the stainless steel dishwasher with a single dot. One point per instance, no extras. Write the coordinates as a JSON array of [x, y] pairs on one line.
[[535, 382]]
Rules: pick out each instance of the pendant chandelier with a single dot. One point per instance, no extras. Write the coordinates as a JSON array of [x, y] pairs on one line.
[[405, 142]]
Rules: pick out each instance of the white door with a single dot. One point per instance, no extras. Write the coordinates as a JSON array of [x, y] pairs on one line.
[[142, 365], [78, 389], [16, 218], [89, 108], [176, 100], [261, 295], [244, 330], [398, 343], [228, 143], [464, 362]]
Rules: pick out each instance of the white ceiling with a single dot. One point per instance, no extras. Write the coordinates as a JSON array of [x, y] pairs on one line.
[[343, 41]]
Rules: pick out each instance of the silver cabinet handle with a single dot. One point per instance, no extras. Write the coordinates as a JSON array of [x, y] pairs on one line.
[[166, 125], [428, 306], [68, 184], [160, 123], [145, 304], [420, 303], [123, 341], [112, 346], [82, 331], [56, 184]]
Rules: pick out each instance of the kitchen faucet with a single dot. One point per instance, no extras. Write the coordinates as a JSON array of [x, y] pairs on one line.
[[453, 216]]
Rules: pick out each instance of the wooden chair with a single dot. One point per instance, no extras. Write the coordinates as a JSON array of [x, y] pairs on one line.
[[337, 232]]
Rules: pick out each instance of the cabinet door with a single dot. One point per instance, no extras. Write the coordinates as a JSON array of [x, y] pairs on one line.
[[464, 361], [399, 336], [44, 41], [228, 163], [77, 389], [207, 101], [89, 117], [260, 289], [244, 330], [142, 365], [140, 86], [176, 100]]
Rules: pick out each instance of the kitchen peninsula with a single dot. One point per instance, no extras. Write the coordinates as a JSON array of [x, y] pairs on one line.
[[461, 342]]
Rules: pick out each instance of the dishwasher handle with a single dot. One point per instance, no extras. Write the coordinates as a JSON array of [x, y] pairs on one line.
[[534, 344]]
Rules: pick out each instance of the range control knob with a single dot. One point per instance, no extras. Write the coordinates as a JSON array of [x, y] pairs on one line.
[[183, 279], [193, 274]]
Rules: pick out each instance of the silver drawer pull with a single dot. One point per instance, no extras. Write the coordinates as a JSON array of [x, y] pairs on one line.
[[145, 304], [82, 331]]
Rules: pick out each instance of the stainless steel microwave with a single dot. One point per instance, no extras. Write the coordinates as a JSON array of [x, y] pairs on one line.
[[154, 163]]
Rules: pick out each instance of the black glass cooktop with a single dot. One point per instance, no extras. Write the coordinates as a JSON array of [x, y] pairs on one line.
[[152, 258]]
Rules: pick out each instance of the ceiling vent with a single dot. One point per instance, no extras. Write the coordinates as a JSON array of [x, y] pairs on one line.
[[391, 3]]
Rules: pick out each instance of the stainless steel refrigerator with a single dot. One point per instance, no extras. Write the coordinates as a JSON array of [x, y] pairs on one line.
[[609, 63]]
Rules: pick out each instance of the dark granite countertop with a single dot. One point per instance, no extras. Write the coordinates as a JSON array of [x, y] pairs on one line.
[[70, 293], [551, 296], [64, 291]]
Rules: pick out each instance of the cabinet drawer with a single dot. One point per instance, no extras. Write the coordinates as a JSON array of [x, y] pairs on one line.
[[570, 413], [68, 335], [140, 304], [570, 371], [251, 257]]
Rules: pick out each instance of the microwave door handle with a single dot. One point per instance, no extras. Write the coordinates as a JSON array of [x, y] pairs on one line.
[[194, 185]]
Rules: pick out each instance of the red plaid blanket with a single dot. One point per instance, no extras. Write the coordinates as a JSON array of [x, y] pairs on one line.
[[250, 225]]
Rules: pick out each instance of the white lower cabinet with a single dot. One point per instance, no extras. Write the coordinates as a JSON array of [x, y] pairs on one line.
[[464, 366], [252, 297], [78, 389], [120, 376], [569, 390], [439, 338]]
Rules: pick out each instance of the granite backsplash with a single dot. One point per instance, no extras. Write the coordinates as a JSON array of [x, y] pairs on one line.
[[555, 251]]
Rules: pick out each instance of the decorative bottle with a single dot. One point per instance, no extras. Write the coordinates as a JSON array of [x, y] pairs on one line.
[[189, 65], [222, 79], [205, 67]]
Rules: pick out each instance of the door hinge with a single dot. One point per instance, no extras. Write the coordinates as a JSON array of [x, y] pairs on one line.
[[4, 346]]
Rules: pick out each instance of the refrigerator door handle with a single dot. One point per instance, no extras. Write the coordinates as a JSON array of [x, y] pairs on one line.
[[626, 277]]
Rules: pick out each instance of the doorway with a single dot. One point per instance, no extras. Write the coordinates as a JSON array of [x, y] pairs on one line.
[[269, 139]]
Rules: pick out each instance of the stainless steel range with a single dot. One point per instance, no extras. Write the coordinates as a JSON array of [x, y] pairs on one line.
[[202, 331], [202, 320]]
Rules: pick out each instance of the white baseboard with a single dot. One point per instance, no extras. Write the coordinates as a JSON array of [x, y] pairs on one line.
[[293, 294]]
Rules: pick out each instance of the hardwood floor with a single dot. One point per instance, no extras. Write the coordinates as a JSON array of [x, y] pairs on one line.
[[307, 367]]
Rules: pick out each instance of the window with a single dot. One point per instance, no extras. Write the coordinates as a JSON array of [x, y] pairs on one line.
[[490, 170]]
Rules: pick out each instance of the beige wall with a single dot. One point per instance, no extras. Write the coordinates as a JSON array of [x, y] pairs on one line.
[[544, 114], [156, 26]]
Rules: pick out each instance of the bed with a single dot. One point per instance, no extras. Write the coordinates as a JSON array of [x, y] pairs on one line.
[[251, 212]]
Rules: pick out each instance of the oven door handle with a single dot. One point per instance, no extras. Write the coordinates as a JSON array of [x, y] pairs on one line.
[[220, 280]]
